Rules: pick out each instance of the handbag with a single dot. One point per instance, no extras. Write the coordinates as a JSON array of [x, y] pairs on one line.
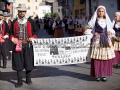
[[19, 46]]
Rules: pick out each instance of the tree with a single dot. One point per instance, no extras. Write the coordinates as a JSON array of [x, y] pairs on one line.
[[50, 15], [55, 14]]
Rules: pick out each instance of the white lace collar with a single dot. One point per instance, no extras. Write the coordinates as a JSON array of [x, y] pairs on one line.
[[22, 21], [1, 21]]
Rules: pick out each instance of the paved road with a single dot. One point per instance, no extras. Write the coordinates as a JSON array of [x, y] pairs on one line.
[[71, 77]]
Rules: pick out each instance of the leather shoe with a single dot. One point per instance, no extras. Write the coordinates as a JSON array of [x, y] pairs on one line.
[[17, 85], [104, 79], [29, 83], [98, 79], [4, 67]]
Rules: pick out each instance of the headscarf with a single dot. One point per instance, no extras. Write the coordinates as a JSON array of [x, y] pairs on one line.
[[118, 13], [91, 23]]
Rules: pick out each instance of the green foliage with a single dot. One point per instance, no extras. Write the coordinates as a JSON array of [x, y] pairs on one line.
[[49, 15]]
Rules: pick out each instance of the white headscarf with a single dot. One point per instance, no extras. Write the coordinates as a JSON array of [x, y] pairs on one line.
[[91, 23], [118, 13]]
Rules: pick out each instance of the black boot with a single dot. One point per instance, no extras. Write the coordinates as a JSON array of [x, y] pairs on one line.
[[28, 77], [19, 82]]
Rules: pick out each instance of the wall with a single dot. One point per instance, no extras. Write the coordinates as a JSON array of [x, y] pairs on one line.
[[32, 4], [45, 8], [111, 7], [78, 6], [56, 7]]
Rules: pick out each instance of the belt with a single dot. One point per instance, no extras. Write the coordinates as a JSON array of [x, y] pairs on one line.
[[24, 41]]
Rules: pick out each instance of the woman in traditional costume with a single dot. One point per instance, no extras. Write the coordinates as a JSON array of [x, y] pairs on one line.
[[71, 29], [58, 27], [102, 51], [116, 41], [78, 26]]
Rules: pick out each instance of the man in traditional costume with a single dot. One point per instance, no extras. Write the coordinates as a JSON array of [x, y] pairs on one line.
[[4, 34], [22, 32], [116, 41], [102, 51], [65, 19], [10, 44], [58, 26], [51, 31]]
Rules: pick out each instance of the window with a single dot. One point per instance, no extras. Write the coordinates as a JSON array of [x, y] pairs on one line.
[[82, 1], [35, 0], [82, 11], [36, 7], [8, 10], [28, 7], [58, 10], [118, 4], [44, 11], [76, 12]]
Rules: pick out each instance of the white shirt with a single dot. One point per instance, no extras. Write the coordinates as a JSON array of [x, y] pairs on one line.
[[69, 20], [54, 24], [1, 21], [79, 21], [22, 21], [117, 25], [102, 23]]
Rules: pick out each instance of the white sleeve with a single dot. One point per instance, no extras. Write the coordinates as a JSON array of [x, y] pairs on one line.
[[88, 32], [54, 24], [63, 24], [68, 21]]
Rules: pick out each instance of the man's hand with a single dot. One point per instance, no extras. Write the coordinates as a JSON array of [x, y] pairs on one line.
[[29, 39], [15, 40]]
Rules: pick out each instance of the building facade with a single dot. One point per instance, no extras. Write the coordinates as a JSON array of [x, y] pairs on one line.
[[32, 5], [112, 6], [79, 7]]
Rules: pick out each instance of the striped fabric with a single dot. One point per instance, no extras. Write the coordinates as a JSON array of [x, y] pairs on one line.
[[116, 60], [101, 68]]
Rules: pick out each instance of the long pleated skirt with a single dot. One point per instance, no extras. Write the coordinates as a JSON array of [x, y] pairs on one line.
[[101, 68], [116, 60]]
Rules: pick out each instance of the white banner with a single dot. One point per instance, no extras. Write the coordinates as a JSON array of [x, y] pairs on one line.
[[61, 51]]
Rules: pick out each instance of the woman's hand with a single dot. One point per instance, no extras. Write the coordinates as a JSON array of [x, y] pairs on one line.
[[96, 34], [109, 33]]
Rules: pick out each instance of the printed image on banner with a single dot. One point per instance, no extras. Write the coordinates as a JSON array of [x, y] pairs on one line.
[[61, 51]]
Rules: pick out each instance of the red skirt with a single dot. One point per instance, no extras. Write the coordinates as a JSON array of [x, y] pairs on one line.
[[101, 68], [116, 60]]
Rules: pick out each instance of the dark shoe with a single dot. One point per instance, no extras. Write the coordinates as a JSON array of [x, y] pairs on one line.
[[118, 66], [98, 79], [17, 85], [4, 67], [29, 83], [104, 79], [115, 66]]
